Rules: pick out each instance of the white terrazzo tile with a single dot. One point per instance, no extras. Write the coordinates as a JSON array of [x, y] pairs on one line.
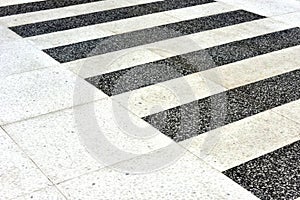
[[17, 56], [238, 32], [75, 141], [70, 36], [12, 2], [290, 110], [266, 7], [39, 92], [18, 175], [254, 69], [244, 140], [110, 62], [201, 10], [291, 18], [7, 35], [50, 193], [168, 94], [186, 178]]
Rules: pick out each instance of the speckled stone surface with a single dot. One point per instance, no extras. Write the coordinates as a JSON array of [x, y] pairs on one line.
[[192, 119], [103, 16], [40, 5], [141, 37], [148, 74], [271, 176]]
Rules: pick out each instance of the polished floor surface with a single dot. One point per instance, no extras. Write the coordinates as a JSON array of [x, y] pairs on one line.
[[149, 99]]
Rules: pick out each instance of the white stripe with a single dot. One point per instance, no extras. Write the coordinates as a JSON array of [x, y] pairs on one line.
[[258, 68], [91, 66], [126, 25], [13, 2], [290, 111], [291, 18], [69, 11]]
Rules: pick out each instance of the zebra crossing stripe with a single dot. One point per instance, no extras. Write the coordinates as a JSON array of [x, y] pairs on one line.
[[40, 28], [192, 119], [86, 33], [39, 5], [136, 38], [116, 82], [272, 176]]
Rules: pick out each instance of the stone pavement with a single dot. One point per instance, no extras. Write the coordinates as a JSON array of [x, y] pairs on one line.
[[149, 99]]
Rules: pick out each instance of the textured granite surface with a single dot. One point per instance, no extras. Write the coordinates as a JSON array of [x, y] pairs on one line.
[[39, 5], [151, 73], [272, 176], [102, 16], [189, 120], [131, 39]]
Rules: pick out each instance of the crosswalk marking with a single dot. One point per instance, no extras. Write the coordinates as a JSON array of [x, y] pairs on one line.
[[151, 73], [39, 5], [199, 85], [171, 48], [141, 37], [66, 37], [189, 120], [209, 66], [57, 13], [103, 16]]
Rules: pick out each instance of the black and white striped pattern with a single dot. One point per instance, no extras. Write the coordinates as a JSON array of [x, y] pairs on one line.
[[229, 40]]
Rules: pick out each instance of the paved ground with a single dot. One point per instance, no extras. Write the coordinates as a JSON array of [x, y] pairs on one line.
[[148, 99]]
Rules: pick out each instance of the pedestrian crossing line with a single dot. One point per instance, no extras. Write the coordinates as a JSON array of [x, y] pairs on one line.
[[39, 5], [175, 92], [102, 16], [89, 67], [64, 12], [141, 37], [271, 176], [71, 36], [13, 2], [195, 118], [116, 82]]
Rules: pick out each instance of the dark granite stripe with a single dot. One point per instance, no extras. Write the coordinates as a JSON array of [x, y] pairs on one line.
[[272, 176], [39, 5], [125, 80], [141, 37], [102, 16], [189, 120]]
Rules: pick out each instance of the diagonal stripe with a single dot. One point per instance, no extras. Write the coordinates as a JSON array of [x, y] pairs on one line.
[[136, 38], [103, 16], [76, 35], [271, 176], [40, 5], [189, 120], [118, 82], [175, 92]]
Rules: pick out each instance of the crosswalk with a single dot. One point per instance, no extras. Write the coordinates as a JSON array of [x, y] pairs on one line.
[[187, 68]]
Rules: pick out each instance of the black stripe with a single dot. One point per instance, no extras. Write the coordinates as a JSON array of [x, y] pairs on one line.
[[272, 176], [102, 16], [39, 5], [136, 38], [125, 80], [189, 120]]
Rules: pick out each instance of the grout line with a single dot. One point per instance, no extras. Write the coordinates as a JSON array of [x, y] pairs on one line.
[[34, 163]]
